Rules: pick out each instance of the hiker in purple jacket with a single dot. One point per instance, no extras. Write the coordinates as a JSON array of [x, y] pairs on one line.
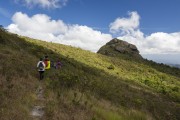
[[58, 64]]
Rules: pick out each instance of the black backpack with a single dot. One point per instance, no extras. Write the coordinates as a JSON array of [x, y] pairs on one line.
[[41, 66]]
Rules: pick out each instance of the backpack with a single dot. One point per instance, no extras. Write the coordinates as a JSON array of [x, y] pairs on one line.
[[41, 66]]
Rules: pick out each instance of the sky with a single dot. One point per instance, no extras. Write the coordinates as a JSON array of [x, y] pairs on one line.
[[152, 25]]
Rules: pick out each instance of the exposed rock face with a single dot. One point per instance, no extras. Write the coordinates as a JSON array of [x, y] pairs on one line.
[[116, 46]]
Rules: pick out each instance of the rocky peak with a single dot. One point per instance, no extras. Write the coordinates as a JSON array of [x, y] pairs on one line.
[[116, 46]]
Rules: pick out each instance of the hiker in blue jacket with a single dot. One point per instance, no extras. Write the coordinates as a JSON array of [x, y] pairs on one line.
[[41, 68]]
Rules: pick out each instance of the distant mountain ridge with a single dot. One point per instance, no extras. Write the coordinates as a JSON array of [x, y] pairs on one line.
[[174, 65]]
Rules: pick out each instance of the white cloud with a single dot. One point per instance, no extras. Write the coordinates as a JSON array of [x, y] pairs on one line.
[[43, 3], [41, 26], [125, 25], [39, 23], [156, 43]]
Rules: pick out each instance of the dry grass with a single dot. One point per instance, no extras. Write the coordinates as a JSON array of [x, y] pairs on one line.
[[84, 89]]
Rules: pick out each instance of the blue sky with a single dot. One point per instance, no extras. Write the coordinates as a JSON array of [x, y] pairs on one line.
[[156, 15], [152, 25]]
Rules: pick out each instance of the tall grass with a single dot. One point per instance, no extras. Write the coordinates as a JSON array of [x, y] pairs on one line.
[[129, 85]]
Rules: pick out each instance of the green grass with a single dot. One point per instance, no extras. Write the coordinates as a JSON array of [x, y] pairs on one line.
[[161, 78], [125, 115], [141, 89]]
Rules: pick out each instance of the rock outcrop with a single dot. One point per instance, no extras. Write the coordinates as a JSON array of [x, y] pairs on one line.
[[116, 47]]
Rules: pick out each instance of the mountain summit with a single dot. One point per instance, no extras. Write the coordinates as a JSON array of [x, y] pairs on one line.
[[118, 47]]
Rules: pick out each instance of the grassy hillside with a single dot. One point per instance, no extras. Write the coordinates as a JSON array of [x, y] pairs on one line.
[[88, 87]]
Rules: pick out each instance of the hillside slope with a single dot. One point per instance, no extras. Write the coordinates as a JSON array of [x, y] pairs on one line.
[[88, 87]]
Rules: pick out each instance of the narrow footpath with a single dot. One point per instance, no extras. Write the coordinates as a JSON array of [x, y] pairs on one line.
[[38, 110]]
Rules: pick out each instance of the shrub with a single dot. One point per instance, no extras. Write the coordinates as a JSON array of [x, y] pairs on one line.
[[111, 67]]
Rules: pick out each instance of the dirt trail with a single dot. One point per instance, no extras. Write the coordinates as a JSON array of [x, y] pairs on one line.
[[39, 109]]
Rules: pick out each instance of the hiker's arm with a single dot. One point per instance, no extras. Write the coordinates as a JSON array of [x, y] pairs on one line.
[[37, 64], [44, 65]]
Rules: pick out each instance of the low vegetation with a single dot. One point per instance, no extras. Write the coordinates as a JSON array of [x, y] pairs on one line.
[[89, 86]]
